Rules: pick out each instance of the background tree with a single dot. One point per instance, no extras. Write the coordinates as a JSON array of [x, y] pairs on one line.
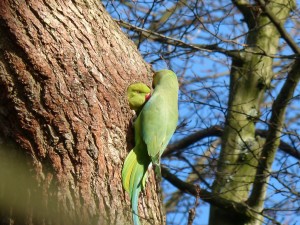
[[64, 120], [238, 63]]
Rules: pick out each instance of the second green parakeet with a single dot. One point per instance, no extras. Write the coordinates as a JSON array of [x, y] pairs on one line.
[[137, 95]]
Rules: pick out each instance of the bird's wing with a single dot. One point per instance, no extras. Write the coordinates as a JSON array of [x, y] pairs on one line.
[[154, 121]]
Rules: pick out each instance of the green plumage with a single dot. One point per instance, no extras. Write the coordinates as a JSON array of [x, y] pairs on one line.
[[153, 128], [137, 95]]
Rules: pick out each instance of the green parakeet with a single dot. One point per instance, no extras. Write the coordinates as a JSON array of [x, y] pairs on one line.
[[137, 95], [153, 128]]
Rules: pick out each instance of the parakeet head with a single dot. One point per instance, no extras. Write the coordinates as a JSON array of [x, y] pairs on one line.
[[138, 94], [160, 74]]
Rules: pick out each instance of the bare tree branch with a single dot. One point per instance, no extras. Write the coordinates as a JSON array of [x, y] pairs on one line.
[[193, 138], [218, 131], [285, 147], [237, 54], [248, 12], [277, 23], [176, 42], [273, 136], [205, 195], [198, 174], [230, 206]]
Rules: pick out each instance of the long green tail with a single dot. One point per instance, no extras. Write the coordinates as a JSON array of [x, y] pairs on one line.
[[134, 176]]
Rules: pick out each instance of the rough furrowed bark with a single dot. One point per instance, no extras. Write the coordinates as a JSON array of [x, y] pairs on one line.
[[250, 77], [65, 66]]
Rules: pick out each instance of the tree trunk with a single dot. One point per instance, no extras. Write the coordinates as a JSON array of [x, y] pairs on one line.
[[249, 79], [64, 120]]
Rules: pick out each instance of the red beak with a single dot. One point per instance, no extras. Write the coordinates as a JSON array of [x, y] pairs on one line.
[[147, 96]]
